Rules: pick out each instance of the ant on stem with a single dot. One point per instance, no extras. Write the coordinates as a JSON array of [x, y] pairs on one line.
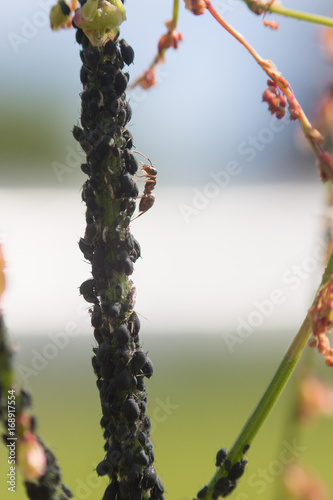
[[147, 199]]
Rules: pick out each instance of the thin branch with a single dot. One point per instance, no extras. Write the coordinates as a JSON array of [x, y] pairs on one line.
[[325, 160], [275, 7], [170, 39], [272, 393]]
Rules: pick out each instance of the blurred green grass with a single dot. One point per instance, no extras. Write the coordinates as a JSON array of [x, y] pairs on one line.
[[31, 142], [199, 398]]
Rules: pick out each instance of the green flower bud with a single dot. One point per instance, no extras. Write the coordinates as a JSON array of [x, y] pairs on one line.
[[100, 20]]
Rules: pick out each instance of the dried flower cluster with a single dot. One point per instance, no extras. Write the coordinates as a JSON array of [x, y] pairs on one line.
[[36, 462], [303, 483], [170, 39], [322, 321], [276, 99], [315, 398], [198, 7], [31, 456], [271, 24]]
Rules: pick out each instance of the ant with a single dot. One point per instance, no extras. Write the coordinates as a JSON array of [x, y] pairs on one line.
[[147, 199]]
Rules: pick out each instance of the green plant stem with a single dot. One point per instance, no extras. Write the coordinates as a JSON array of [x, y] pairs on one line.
[[296, 14], [175, 12], [273, 391], [329, 270], [267, 401], [173, 26]]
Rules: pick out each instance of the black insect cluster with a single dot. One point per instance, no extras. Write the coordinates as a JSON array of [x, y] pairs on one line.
[[226, 485], [50, 485], [119, 361]]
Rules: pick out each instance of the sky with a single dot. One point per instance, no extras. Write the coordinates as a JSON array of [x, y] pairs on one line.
[[234, 228]]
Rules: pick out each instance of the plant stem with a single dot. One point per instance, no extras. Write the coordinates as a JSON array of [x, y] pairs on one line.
[[265, 64], [110, 192], [273, 391], [173, 25], [160, 56], [267, 401], [296, 14], [175, 12], [329, 269]]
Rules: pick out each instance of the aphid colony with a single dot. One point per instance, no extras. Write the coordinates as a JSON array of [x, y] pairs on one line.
[[98, 142], [119, 361], [225, 485]]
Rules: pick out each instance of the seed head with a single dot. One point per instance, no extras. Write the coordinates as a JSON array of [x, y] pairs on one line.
[[321, 314], [198, 7]]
